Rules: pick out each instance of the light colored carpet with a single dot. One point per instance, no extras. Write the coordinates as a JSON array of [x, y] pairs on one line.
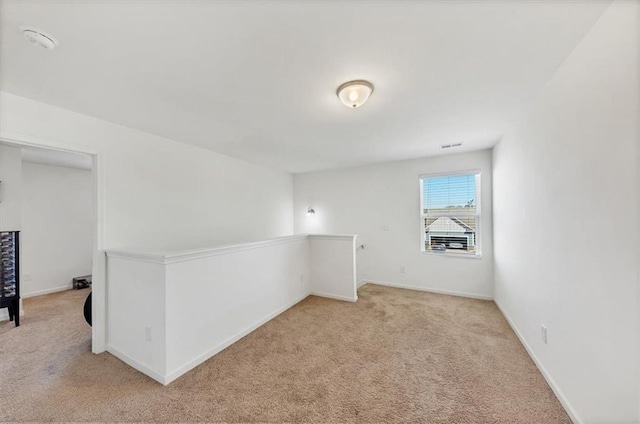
[[394, 356]]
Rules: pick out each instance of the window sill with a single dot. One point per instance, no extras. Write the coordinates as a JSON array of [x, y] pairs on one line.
[[452, 255]]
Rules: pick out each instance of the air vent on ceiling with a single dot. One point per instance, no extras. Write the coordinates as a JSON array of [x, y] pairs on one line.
[[448, 146]]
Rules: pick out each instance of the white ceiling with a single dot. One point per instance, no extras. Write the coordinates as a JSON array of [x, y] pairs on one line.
[[257, 80]]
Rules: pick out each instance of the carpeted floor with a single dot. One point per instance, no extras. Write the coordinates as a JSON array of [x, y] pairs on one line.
[[394, 356]]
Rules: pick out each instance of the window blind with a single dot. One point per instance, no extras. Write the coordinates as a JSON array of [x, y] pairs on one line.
[[450, 213]]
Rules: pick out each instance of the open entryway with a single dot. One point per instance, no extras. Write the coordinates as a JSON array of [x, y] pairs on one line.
[[47, 211]]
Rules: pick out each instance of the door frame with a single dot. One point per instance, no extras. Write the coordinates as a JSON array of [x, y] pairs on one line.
[[99, 297]]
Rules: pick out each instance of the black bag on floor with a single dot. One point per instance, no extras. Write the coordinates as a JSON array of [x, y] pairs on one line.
[[87, 309]]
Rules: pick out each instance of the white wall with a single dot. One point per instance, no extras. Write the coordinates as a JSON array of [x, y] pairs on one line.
[[159, 192], [333, 266], [169, 312], [57, 227], [155, 192], [213, 301], [567, 183], [364, 200], [137, 310], [10, 188]]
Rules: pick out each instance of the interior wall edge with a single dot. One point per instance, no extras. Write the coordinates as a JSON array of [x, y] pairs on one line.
[[552, 384]]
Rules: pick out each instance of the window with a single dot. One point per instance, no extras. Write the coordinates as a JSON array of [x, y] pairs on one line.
[[450, 213]]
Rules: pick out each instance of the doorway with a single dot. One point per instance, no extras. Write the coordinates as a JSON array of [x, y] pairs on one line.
[[90, 160]]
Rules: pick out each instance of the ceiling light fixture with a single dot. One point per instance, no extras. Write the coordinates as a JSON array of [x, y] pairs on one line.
[[354, 94], [38, 38]]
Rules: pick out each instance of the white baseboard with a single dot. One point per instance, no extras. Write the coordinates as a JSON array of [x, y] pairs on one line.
[[361, 283], [333, 296], [47, 291], [430, 290], [556, 390], [137, 365], [231, 340]]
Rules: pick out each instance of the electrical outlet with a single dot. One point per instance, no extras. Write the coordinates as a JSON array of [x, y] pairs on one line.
[[26, 277], [386, 227], [147, 334], [402, 269], [543, 333], [302, 278]]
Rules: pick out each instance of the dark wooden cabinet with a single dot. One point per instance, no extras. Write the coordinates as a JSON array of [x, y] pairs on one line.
[[10, 273]]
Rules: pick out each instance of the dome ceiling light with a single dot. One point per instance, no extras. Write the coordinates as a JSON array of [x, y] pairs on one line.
[[354, 94]]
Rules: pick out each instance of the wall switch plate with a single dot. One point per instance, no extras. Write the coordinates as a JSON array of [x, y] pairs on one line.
[[147, 334], [403, 270], [386, 227], [302, 278], [26, 277], [543, 333]]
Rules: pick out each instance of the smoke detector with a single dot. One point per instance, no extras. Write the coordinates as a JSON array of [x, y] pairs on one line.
[[39, 38]]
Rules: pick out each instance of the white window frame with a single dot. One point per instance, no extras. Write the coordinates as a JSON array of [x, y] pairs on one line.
[[477, 214]]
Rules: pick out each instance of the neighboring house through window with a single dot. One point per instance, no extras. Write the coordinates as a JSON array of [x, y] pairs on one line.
[[450, 213]]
